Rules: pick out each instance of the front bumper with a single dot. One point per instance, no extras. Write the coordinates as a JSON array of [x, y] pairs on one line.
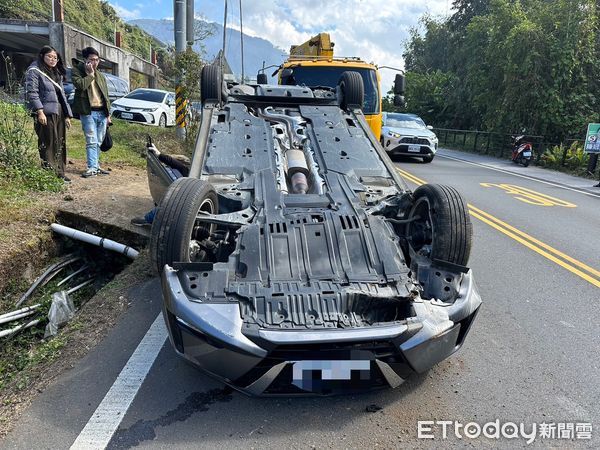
[[409, 146], [144, 117], [315, 361]]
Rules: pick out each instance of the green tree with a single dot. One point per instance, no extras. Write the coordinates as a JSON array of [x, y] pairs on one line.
[[508, 65]]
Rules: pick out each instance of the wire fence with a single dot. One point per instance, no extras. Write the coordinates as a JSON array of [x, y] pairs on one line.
[[497, 144]]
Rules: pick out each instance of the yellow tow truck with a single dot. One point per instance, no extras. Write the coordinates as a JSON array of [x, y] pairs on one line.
[[312, 64]]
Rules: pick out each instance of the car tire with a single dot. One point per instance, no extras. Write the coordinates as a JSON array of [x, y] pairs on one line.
[[162, 122], [175, 228], [210, 83], [427, 159], [443, 227], [352, 90]]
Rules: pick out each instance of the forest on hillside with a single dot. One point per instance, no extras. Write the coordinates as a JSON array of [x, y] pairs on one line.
[[526, 66]]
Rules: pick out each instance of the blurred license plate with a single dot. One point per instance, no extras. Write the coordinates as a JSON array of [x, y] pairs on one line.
[[127, 115], [330, 370], [414, 148], [526, 153]]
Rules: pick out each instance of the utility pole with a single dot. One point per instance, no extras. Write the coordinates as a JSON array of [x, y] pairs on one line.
[[189, 30], [242, 40], [180, 40]]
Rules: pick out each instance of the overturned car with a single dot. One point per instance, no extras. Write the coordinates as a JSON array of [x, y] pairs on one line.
[[294, 259]]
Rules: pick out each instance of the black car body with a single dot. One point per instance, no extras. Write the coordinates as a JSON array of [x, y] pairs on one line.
[[281, 287]]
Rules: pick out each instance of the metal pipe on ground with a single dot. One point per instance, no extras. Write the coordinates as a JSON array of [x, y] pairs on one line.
[[95, 240], [76, 288], [47, 275], [15, 317], [20, 311], [74, 274], [12, 331]]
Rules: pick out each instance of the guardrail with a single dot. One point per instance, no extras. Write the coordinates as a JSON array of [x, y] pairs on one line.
[[495, 144]]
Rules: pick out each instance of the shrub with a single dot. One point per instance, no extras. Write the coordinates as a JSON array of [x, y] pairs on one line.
[[575, 159], [16, 137], [19, 160]]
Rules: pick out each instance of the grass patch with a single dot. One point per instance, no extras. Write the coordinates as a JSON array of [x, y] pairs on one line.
[[13, 199], [18, 181], [129, 142]]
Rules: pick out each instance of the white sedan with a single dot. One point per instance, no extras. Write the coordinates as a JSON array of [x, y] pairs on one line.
[[147, 106]]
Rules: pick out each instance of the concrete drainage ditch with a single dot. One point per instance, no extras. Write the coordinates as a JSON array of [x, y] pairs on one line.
[[74, 270], [89, 281]]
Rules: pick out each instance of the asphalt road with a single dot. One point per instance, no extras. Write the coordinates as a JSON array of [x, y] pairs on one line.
[[532, 356]]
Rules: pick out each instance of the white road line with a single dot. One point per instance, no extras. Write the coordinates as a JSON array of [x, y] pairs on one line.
[[106, 419], [591, 194]]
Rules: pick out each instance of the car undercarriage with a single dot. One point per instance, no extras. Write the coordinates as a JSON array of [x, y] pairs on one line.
[[295, 260]]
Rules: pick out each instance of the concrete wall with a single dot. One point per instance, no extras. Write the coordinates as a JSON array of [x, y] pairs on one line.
[[69, 41]]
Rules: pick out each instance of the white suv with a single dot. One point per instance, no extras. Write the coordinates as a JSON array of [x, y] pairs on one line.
[[407, 135]]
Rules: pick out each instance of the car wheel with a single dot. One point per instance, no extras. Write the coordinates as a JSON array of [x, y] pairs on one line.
[[210, 83], [352, 90], [428, 158], [177, 234], [439, 224], [162, 122]]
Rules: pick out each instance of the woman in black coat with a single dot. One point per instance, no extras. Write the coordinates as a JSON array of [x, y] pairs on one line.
[[49, 106]]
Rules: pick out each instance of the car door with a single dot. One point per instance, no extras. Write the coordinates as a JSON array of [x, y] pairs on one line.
[[160, 177]]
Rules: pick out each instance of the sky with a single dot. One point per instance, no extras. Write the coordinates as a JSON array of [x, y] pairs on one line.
[[374, 30]]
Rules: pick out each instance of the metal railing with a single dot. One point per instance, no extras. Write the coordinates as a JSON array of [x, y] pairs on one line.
[[496, 144]]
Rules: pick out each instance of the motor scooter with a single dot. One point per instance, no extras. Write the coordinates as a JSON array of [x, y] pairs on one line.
[[522, 152]]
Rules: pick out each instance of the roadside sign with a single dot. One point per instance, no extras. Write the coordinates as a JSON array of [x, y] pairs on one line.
[[592, 139]]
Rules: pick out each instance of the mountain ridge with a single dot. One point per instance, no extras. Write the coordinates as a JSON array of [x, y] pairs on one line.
[[256, 50]]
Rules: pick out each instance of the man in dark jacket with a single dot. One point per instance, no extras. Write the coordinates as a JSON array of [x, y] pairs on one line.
[[92, 104]]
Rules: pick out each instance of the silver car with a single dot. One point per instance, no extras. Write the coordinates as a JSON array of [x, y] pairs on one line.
[[407, 134], [294, 260]]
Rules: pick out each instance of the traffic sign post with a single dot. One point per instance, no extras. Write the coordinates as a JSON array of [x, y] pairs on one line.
[[592, 138], [592, 146]]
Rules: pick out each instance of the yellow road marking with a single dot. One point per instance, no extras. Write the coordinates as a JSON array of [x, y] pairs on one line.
[[552, 254], [536, 241], [530, 196], [411, 177], [538, 250]]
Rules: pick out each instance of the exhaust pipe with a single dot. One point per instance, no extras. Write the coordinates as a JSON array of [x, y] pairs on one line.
[[297, 169]]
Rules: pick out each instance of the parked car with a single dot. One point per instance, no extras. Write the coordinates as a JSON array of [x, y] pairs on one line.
[[407, 134], [294, 259], [117, 87], [147, 106]]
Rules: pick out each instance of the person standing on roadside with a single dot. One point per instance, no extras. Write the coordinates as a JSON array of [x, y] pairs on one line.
[[49, 107], [92, 104]]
